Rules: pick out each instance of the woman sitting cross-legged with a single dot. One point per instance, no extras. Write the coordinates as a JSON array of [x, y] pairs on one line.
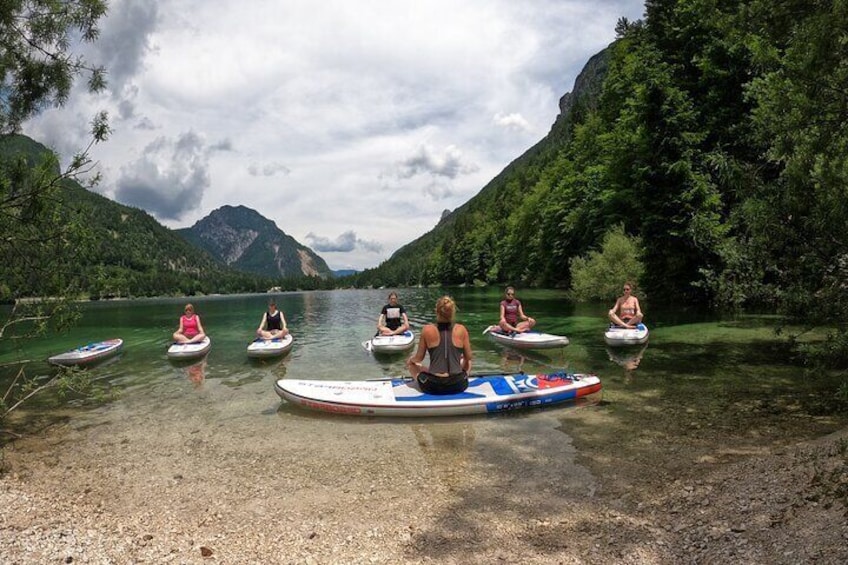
[[449, 347]]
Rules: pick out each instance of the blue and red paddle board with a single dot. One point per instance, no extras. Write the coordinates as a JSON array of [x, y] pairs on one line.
[[399, 397]]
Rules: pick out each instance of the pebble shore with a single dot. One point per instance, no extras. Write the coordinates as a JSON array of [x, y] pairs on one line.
[[123, 488]]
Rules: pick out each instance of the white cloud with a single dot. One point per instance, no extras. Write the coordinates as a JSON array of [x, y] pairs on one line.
[[363, 118], [168, 179], [267, 169], [512, 121], [342, 244], [426, 161]]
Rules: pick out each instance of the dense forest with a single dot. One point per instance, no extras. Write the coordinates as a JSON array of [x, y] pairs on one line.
[[714, 132]]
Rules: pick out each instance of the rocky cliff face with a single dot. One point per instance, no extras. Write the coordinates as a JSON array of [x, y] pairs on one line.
[[245, 240], [587, 87]]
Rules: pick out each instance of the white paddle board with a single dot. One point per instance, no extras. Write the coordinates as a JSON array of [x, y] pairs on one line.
[[189, 350], [398, 397], [270, 347]]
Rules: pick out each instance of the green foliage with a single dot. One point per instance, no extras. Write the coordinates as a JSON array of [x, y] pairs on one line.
[[37, 65], [66, 383], [631, 147], [842, 394], [830, 355], [75, 242], [598, 276], [713, 131], [42, 238], [797, 220]]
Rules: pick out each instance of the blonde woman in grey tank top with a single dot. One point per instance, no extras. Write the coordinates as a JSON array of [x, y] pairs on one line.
[[449, 347]]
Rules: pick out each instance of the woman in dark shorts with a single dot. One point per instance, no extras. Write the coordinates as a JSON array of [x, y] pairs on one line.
[[449, 347]]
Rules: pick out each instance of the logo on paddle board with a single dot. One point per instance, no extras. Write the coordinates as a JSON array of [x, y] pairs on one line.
[[525, 383]]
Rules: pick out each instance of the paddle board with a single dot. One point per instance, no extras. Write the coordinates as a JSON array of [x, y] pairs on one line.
[[616, 336], [397, 397], [526, 340], [390, 343], [189, 350], [270, 347], [89, 353]]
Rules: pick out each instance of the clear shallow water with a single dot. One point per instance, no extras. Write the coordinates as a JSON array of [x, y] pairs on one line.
[[208, 453], [692, 361]]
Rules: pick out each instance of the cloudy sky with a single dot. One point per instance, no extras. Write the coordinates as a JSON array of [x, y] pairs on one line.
[[351, 124]]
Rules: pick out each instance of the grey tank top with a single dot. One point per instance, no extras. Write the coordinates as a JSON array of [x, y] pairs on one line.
[[445, 357]]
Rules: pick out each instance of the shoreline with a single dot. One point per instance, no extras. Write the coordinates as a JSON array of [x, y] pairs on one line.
[[120, 487]]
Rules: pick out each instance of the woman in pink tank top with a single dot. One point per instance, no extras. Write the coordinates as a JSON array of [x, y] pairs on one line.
[[190, 330]]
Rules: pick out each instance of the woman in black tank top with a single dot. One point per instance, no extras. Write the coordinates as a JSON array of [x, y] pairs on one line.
[[273, 324], [449, 348]]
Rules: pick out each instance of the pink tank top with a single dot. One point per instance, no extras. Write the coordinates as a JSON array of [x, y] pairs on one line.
[[190, 326]]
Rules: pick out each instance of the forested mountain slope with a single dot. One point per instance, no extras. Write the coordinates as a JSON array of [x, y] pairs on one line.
[[117, 250], [480, 241], [714, 131]]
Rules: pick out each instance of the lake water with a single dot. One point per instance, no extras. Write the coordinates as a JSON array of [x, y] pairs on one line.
[[206, 454], [695, 367]]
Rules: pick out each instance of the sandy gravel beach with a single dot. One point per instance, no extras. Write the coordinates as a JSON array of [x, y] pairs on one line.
[[142, 484]]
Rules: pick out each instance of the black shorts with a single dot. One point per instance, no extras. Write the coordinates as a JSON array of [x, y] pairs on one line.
[[432, 384]]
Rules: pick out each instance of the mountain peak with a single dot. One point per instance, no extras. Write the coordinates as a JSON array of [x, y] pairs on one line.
[[246, 240], [238, 216]]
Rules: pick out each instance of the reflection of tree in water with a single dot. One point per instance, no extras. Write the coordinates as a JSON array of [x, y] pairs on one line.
[[627, 358], [447, 448]]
